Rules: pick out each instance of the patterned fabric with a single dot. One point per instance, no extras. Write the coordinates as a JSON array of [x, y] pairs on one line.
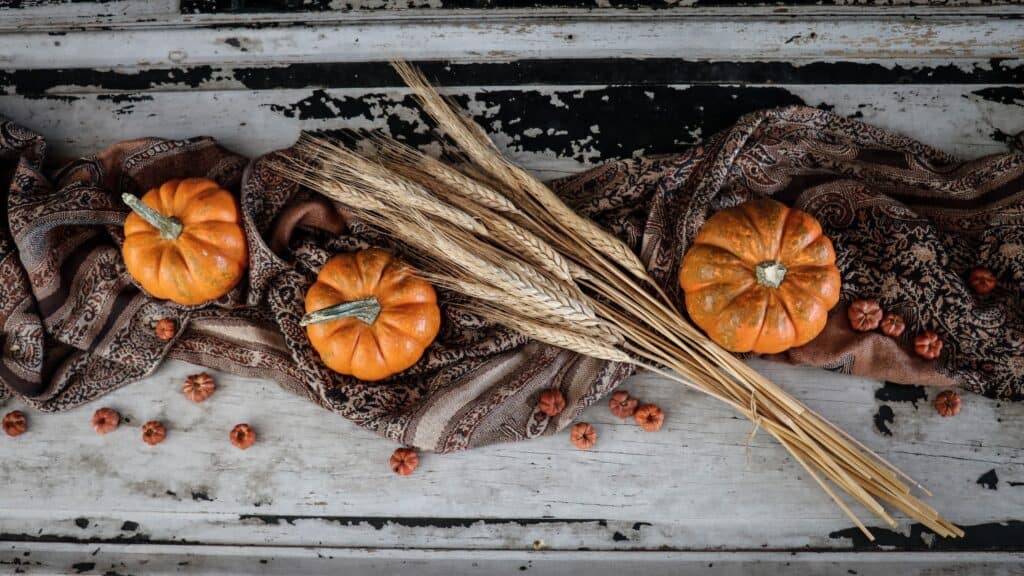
[[908, 223]]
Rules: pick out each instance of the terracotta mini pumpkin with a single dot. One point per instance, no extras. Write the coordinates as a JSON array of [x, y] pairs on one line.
[[15, 423], [982, 280], [165, 328], [369, 315], [404, 461], [622, 404], [760, 277], [650, 417], [551, 402], [199, 387], [242, 436], [105, 420], [893, 325], [928, 345], [583, 436], [153, 432], [864, 315], [184, 241], [947, 403]]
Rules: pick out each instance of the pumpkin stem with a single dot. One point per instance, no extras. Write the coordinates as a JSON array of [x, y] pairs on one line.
[[169, 227], [770, 273], [366, 310]]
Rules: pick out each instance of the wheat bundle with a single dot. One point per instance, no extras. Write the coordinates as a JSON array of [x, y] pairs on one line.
[[486, 229]]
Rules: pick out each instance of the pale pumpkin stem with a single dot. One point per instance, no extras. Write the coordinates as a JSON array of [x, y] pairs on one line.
[[366, 310], [169, 227], [770, 273]]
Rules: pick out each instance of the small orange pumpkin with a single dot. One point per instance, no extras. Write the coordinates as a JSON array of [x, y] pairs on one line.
[[369, 315], [760, 277], [184, 241]]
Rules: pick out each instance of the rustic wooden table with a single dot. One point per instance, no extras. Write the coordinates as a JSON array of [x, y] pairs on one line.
[[560, 88]]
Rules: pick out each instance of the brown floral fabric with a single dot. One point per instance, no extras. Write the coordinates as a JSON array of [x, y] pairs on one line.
[[908, 222]]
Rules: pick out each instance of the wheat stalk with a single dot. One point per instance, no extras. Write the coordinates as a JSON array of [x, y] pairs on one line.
[[495, 234]]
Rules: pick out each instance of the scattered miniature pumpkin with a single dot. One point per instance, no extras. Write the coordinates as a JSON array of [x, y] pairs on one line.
[[947, 403], [650, 417], [369, 315], [184, 241], [583, 436], [199, 387], [893, 325], [760, 277], [928, 345], [551, 402], [165, 328], [243, 436], [153, 432], [105, 420], [404, 461], [982, 280], [622, 404], [15, 423], [864, 315]]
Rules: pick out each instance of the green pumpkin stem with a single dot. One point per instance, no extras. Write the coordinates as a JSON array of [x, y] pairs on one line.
[[169, 227], [770, 273], [366, 310]]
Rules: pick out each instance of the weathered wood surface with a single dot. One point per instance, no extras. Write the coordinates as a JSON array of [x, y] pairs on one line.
[[314, 479], [560, 91], [114, 560]]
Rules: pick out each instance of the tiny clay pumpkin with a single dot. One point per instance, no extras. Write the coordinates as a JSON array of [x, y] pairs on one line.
[[551, 402], [199, 387], [928, 345], [622, 404], [15, 423], [893, 325], [583, 435], [165, 328], [864, 315], [153, 432], [760, 277], [404, 461], [650, 417], [184, 241], [105, 420], [242, 436], [947, 403], [369, 315], [982, 280]]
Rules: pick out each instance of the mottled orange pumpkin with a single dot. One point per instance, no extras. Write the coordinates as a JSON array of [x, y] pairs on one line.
[[760, 277], [369, 315], [184, 241]]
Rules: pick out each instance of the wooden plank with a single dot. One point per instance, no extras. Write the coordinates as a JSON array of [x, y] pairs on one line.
[[160, 560], [315, 479], [501, 36], [532, 124]]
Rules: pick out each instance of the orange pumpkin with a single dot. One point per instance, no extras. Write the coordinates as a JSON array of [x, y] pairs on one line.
[[369, 315], [760, 277], [184, 241]]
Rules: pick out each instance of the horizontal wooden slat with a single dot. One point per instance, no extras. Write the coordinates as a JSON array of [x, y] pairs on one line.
[[160, 560], [552, 130], [315, 479], [502, 37]]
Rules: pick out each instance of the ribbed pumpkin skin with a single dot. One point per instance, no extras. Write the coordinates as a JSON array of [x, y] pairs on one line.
[[723, 295], [206, 261], [408, 322]]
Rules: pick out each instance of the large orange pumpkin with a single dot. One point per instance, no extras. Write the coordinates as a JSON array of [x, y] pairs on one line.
[[760, 277], [184, 241], [369, 315]]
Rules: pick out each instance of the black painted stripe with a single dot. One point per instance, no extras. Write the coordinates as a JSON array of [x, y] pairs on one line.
[[556, 72]]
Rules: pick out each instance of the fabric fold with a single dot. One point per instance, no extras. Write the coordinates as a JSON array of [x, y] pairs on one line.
[[908, 223]]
